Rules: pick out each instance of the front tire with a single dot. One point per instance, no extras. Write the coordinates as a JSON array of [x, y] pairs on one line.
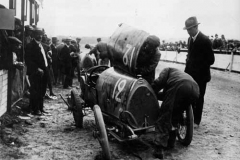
[[102, 134], [77, 108], [185, 127]]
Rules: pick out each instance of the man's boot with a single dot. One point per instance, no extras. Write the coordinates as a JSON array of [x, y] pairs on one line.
[[158, 153], [172, 139]]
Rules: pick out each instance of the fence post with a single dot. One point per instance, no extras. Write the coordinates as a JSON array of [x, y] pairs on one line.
[[231, 63]]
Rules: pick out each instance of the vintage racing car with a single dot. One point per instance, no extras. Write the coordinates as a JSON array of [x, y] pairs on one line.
[[124, 104]]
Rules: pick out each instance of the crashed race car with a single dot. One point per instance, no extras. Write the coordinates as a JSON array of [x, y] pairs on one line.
[[124, 104]]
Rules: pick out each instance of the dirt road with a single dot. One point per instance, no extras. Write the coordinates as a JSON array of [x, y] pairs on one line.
[[55, 137]]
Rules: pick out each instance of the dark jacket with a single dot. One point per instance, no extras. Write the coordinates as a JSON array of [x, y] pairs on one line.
[[147, 63], [34, 57], [101, 47], [179, 90], [65, 57], [199, 58]]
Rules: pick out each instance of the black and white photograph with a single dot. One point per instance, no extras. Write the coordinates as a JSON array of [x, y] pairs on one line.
[[119, 79]]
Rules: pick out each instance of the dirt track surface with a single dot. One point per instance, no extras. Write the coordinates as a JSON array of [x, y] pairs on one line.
[[55, 136]]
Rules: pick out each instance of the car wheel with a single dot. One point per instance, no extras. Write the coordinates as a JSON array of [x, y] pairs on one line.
[[185, 127], [77, 108], [101, 132]]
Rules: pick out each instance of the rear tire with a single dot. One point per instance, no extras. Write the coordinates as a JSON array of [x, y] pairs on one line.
[[102, 136], [77, 108], [185, 127]]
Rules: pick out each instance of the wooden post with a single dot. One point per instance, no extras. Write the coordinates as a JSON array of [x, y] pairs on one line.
[[30, 12], [231, 63]]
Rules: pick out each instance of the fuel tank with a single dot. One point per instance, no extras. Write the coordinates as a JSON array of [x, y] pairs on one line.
[[119, 92], [124, 46]]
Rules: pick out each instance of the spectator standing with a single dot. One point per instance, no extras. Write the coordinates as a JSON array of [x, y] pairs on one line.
[[78, 45], [37, 64], [66, 59], [55, 60], [199, 59], [50, 75], [217, 43], [224, 42]]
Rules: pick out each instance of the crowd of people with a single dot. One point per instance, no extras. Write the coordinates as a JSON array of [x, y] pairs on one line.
[[217, 44]]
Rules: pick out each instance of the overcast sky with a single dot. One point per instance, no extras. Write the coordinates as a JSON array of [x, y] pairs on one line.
[[164, 18]]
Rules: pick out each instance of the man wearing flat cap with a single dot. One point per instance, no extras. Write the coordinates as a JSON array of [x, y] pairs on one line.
[[37, 69], [28, 34], [15, 45], [148, 58], [101, 53], [199, 59], [55, 60], [66, 59]]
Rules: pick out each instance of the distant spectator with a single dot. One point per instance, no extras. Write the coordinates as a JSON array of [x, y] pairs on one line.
[[55, 60], [217, 43], [224, 42], [15, 45], [102, 57], [78, 45], [28, 34], [211, 39]]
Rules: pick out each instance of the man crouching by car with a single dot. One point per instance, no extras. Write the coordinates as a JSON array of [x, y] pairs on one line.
[[179, 91]]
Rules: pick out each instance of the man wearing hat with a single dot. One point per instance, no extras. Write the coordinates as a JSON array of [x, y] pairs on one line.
[[37, 67], [55, 60], [217, 42], [66, 59], [28, 34], [15, 45], [78, 45], [199, 59], [148, 58]]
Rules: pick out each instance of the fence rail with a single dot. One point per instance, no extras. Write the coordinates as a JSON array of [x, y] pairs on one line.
[[229, 61]]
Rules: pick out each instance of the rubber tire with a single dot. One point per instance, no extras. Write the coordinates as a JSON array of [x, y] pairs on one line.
[[77, 108], [188, 123], [103, 139]]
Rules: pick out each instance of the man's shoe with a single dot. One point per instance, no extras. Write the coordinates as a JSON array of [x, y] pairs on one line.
[[43, 111], [172, 139], [196, 126], [37, 113], [52, 94], [158, 153]]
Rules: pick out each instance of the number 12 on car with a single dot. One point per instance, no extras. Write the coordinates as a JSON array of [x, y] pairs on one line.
[[118, 88]]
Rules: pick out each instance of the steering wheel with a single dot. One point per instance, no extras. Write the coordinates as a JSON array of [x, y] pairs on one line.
[[94, 71]]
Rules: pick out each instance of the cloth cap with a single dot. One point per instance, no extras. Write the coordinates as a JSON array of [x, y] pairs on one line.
[[98, 39], [78, 38], [191, 22], [38, 30], [29, 28], [68, 39], [14, 40], [54, 39], [153, 41], [73, 41], [2, 6]]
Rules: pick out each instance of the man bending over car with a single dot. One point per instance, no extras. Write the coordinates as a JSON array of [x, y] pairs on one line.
[[179, 91]]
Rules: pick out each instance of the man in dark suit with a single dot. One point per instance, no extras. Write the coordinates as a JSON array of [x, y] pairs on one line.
[[37, 67], [199, 59], [55, 60], [65, 56]]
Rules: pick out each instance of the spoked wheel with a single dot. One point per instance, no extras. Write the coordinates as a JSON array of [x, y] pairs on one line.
[[77, 108], [101, 133], [185, 127]]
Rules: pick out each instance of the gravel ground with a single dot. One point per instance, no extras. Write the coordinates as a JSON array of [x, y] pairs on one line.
[[55, 136]]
